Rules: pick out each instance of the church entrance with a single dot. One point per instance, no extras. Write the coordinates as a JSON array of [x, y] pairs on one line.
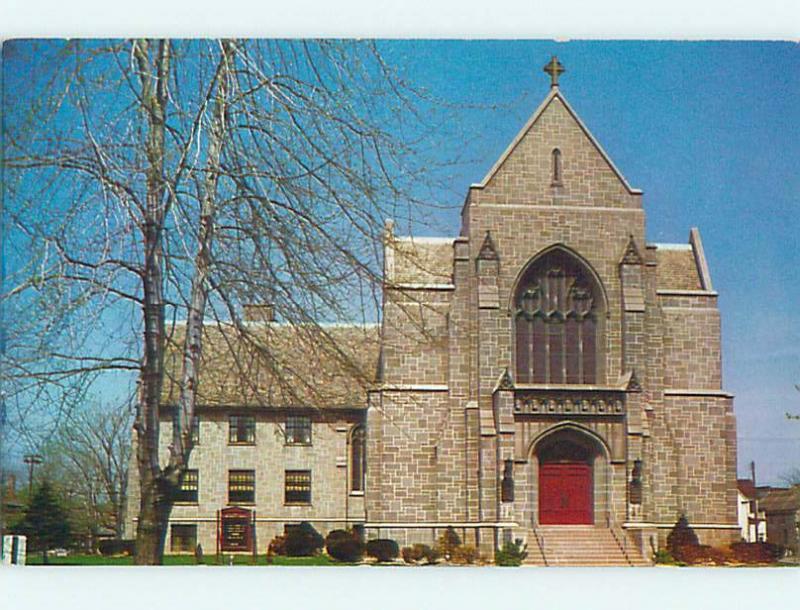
[[566, 483]]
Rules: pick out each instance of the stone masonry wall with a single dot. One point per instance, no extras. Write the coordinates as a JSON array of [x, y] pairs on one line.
[[327, 458]]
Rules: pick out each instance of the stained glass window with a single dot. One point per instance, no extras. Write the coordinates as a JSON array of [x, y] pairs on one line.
[[556, 323]]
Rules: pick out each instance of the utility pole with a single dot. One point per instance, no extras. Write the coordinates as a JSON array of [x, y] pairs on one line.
[[755, 498], [32, 460]]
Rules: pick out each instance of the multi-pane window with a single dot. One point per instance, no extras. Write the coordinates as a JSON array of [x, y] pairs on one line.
[[298, 487], [358, 459], [188, 488], [298, 430], [183, 538], [241, 486], [195, 427], [242, 430], [557, 323]]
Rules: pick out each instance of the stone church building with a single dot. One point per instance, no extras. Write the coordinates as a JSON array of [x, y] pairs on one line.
[[546, 374]]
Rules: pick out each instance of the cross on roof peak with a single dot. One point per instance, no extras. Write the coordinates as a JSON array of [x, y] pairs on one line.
[[554, 69]]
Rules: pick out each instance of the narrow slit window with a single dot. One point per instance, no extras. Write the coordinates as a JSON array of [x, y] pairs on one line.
[[358, 459], [557, 173]]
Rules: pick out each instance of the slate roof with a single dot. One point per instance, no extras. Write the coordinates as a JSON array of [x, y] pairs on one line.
[[677, 268], [781, 500], [279, 365], [419, 260]]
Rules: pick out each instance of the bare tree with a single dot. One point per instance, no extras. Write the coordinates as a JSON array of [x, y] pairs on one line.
[[149, 181], [88, 460]]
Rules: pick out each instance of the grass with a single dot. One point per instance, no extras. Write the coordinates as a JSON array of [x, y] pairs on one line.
[[185, 560]]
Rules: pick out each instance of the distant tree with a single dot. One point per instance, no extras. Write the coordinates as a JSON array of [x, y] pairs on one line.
[[88, 458], [45, 522], [792, 477], [794, 415]]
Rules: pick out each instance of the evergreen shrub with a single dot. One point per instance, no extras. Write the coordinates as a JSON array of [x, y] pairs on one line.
[[383, 549]]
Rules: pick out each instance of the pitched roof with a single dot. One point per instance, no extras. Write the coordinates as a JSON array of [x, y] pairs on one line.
[[555, 92], [419, 260], [279, 365], [677, 268], [781, 500], [746, 487]]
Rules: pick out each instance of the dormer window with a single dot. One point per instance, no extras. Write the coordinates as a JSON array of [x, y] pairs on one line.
[[557, 174]]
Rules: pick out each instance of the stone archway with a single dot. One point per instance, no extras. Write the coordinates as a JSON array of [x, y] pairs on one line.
[[572, 478]]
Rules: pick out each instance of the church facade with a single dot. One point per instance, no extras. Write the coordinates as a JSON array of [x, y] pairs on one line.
[[545, 374]]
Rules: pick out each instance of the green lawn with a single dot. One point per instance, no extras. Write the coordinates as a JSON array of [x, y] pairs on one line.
[[185, 560]]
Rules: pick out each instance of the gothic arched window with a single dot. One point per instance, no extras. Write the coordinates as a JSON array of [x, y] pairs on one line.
[[556, 167], [358, 458], [556, 322]]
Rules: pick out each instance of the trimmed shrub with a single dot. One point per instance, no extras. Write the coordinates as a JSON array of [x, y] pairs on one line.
[[447, 543], [116, 547], [420, 552], [383, 549], [464, 554], [512, 554], [277, 546], [756, 552], [349, 549], [303, 540], [337, 535]]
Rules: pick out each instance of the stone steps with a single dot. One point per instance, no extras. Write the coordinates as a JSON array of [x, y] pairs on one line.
[[581, 545]]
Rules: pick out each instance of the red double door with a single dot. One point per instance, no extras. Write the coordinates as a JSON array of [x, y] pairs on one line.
[[565, 493]]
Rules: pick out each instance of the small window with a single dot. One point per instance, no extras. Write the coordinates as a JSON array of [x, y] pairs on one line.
[[358, 459], [298, 430], [183, 538], [556, 167], [298, 487], [242, 430], [188, 488], [241, 486]]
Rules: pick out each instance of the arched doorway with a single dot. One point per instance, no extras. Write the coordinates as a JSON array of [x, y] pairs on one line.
[[566, 485]]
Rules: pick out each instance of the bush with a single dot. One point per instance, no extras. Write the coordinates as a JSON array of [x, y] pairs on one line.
[[277, 546], [419, 552], [695, 554], [464, 554], [303, 540], [663, 556], [756, 552], [116, 547], [448, 542], [682, 535], [337, 535], [512, 554], [349, 549], [383, 549]]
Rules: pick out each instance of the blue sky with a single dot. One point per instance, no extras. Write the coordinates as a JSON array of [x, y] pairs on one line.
[[709, 131]]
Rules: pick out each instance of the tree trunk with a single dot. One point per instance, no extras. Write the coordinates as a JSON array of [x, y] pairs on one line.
[[151, 529], [154, 503]]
